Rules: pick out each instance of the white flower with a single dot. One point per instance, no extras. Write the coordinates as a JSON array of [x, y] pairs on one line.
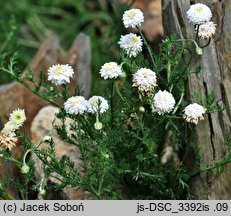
[[9, 129], [163, 102], [131, 43], [76, 105], [207, 30], [47, 139], [18, 117], [97, 103], [110, 70], [133, 18], [193, 113], [144, 79], [60, 74], [199, 13]]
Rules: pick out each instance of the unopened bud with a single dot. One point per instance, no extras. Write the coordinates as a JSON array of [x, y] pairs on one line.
[[25, 169], [47, 139], [123, 75], [142, 109], [199, 51], [98, 125], [42, 192], [106, 156]]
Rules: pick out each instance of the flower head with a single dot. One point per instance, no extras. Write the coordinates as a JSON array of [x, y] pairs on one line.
[[18, 117], [199, 13], [133, 18], [145, 80], [47, 139], [131, 43], [163, 102], [207, 30], [110, 70], [9, 129], [97, 103], [60, 74], [76, 105], [193, 113], [7, 142]]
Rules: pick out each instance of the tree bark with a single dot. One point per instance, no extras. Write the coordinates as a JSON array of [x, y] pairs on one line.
[[215, 77]]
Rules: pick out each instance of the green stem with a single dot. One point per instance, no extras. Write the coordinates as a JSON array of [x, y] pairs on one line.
[[211, 167], [168, 71], [179, 102], [100, 184], [118, 91], [148, 47], [111, 102], [24, 157]]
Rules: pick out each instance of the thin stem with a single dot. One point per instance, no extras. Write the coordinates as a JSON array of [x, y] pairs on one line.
[[100, 184], [179, 102], [118, 91], [111, 102], [197, 31], [206, 44], [168, 70], [211, 167], [148, 47], [24, 157]]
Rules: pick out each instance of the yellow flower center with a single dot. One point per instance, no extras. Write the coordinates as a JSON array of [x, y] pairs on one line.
[[145, 74], [199, 9], [18, 117], [95, 104], [131, 15], [110, 66], [58, 70], [135, 40]]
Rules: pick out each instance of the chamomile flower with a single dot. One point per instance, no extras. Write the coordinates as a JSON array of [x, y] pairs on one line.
[[145, 80], [133, 18], [131, 43], [163, 102], [110, 70], [60, 74], [76, 105], [18, 117], [97, 103], [193, 113], [9, 129], [199, 13], [207, 30]]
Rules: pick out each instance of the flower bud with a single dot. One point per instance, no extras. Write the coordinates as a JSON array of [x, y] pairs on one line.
[[199, 51], [52, 89], [47, 139], [98, 125], [25, 169], [106, 156], [42, 192], [142, 109], [123, 75]]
